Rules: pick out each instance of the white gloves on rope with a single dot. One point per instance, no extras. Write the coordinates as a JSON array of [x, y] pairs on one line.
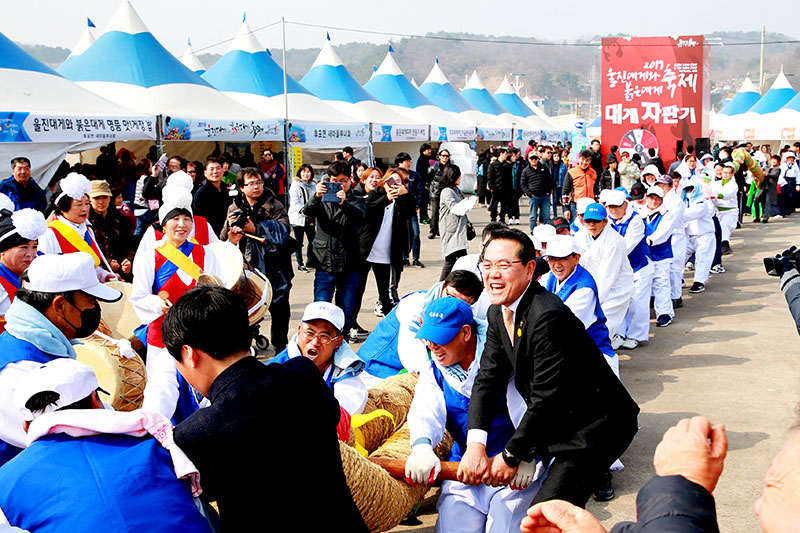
[[423, 465]]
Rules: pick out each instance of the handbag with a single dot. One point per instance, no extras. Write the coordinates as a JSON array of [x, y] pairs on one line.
[[470, 231]]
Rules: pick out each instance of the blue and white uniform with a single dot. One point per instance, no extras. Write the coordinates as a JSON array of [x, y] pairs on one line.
[[606, 259], [342, 376], [677, 207], [579, 293], [120, 483], [637, 318], [441, 402], [699, 219], [658, 230]]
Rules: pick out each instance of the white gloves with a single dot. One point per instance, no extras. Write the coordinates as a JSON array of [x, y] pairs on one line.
[[423, 465], [527, 473]]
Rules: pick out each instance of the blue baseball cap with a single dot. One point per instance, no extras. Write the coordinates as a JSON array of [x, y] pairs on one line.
[[595, 211], [443, 319]]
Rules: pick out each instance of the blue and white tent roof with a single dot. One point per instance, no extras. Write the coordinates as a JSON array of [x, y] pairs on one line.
[[27, 85], [191, 61], [476, 94], [248, 74], [390, 86], [510, 100], [329, 80], [745, 98], [776, 97], [129, 66], [442, 93]]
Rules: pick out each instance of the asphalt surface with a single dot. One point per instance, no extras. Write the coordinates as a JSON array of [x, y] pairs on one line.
[[731, 355]]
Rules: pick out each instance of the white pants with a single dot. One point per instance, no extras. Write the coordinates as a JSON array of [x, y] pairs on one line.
[[637, 319], [661, 287], [615, 306], [678, 264], [481, 509], [727, 221], [703, 247]]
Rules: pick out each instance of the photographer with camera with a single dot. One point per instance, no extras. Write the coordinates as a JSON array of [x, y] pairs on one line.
[[259, 224], [786, 265]]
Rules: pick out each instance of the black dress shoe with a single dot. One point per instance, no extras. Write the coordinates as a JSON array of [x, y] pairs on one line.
[[604, 491]]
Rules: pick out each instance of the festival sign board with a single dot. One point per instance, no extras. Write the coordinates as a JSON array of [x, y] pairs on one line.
[[321, 134], [655, 91], [389, 133], [442, 133], [52, 127], [493, 134], [185, 129]]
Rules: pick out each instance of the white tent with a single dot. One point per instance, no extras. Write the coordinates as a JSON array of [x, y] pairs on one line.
[[129, 66], [191, 61], [329, 80], [390, 86], [45, 115]]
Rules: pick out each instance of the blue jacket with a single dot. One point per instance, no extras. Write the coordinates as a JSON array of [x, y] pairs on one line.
[[97, 483], [11, 188]]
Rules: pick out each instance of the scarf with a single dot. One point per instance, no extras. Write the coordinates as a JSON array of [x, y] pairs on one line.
[[26, 323]]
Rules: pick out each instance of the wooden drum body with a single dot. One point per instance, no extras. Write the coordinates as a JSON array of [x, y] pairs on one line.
[[124, 379]]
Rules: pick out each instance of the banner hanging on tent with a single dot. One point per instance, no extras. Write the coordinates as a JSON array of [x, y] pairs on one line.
[[382, 133], [183, 129], [494, 134], [36, 127], [454, 134], [313, 134], [539, 136]]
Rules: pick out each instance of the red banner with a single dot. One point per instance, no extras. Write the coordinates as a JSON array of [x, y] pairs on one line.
[[655, 92]]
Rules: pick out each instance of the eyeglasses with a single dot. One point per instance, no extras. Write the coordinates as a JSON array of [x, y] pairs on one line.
[[191, 172], [501, 265], [323, 338], [251, 184]]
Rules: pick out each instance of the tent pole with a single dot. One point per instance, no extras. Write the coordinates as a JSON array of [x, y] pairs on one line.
[[159, 135], [286, 158]]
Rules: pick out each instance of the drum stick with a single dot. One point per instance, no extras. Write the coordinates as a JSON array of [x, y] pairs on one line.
[[262, 240], [397, 468]]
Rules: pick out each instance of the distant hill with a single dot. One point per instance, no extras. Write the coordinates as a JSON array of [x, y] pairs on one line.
[[561, 72]]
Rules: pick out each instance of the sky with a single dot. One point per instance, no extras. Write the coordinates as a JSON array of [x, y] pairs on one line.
[[208, 23]]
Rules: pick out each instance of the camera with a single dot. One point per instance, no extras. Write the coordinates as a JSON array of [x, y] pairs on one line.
[[786, 260], [243, 211]]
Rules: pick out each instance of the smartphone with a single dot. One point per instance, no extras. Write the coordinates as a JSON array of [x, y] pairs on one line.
[[330, 195], [162, 162], [393, 181]]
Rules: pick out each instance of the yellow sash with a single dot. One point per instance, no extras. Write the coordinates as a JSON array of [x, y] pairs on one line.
[[177, 258], [74, 239]]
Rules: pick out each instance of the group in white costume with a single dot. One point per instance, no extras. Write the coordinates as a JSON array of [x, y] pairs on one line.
[[701, 242], [658, 230]]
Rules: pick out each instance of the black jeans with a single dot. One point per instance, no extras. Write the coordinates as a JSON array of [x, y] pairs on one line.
[[498, 197], [382, 273], [309, 231], [434, 224], [449, 261]]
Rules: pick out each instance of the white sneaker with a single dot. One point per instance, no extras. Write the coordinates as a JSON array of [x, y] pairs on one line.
[[689, 267], [717, 269], [778, 217], [617, 341], [630, 344]]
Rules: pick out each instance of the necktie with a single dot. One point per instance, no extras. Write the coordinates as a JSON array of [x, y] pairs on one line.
[[508, 320]]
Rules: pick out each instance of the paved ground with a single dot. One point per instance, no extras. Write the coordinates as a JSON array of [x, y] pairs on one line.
[[731, 354]]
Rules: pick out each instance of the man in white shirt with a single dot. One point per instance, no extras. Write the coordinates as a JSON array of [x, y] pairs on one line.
[[604, 254], [725, 191], [699, 218], [658, 230]]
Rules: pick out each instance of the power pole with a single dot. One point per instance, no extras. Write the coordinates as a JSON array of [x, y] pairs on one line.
[[761, 70]]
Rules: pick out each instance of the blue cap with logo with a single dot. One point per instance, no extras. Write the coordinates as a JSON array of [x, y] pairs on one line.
[[595, 211], [443, 319]]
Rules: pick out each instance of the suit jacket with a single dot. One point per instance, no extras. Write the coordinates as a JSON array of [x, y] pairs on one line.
[[575, 403], [267, 449]]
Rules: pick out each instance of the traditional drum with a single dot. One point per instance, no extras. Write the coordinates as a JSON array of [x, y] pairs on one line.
[[119, 316], [121, 377], [250, 284]]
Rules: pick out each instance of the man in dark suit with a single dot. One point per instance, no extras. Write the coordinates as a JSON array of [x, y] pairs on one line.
[[270, 431], [578, 412]]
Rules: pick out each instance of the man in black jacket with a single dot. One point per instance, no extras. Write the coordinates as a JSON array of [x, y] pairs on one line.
[[435, 174], [499, 181], [578, 412], [254, 477], [335, 250], [537, 184]]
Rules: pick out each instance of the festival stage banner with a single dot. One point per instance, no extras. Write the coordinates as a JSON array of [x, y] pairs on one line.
[[38, 127], [184, 129], [383, 133], [655, 92]]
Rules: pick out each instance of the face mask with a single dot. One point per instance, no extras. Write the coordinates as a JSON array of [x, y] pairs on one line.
[[90, 319]]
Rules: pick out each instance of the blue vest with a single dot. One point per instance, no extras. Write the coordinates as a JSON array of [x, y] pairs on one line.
[[662, 251], [379, 351], [13, 350], [641, 252], [98, 483], [457, 413], [579, 279]]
